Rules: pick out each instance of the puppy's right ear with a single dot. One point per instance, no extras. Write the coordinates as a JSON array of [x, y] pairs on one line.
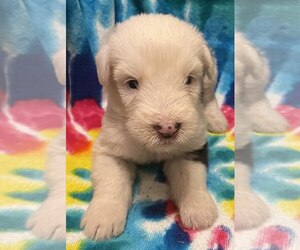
[[103, 65]]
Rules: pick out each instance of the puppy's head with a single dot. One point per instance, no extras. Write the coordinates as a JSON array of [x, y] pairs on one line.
[[156, 70]]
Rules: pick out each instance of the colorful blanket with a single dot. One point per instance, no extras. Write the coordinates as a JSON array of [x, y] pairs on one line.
[[22, 159], [153, 221]]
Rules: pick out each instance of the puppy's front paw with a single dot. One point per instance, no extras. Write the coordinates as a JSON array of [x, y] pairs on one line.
[[250, 210], [198, 212], [104, 220], [49, 221], [217, 123]]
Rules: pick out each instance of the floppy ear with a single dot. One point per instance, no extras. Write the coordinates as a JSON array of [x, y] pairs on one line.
[[103, 65], [210, 75], [217, 122]]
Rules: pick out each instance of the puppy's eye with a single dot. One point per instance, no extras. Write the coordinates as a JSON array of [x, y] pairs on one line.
[[189, 80], [133, 84]]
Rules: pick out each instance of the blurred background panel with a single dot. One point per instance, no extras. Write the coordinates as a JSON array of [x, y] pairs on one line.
[[267, 124], [32, 114]]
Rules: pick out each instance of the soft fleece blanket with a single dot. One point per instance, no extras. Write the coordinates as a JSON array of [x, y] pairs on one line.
[[31, 99], [153, 221]]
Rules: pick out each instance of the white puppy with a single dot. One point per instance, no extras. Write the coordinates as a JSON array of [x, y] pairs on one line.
[[160, 77]]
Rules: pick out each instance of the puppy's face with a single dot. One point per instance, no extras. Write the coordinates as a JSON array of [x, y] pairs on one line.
[[160, 97], [157, 79]]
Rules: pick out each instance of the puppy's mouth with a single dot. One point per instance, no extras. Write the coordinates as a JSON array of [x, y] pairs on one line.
[[167, 138]]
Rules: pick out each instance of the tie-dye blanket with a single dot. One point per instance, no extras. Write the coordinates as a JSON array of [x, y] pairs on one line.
[[31, 114], [275, 177], [153, 221], [22, 159]]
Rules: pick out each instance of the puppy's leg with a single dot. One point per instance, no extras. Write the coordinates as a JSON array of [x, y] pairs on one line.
[[187, 180], [112, 182], [217, 122], [250, 210], [49, 221], [265, 119]]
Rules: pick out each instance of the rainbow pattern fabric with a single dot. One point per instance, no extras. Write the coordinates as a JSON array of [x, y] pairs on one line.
[[22, 159]]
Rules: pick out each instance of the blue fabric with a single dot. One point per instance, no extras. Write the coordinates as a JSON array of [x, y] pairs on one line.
[[27, 47], [275, 31], [89, 20]]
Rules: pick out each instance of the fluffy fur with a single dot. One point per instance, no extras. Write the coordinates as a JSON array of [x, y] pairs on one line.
[[160, 52], [253, 113]]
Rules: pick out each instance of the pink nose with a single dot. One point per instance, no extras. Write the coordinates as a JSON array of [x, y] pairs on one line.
[[167, 129]]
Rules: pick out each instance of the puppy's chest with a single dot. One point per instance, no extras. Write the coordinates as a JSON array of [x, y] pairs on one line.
[[129, 150], [139, 154]]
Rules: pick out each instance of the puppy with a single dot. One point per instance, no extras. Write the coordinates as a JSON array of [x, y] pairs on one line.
[[160, 78]]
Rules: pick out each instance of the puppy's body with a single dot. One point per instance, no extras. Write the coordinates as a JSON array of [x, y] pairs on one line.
[[159, 75]]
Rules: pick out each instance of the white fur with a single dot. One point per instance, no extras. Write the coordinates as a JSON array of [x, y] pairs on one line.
[[187, 180], [112, 181], [160, 52]]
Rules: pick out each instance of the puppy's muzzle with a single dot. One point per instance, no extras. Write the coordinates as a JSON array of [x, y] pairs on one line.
[[167, 129]]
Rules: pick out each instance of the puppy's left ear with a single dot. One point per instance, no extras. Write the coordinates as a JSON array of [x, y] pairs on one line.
[[210, 75], [217, 123], [103, 65]]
